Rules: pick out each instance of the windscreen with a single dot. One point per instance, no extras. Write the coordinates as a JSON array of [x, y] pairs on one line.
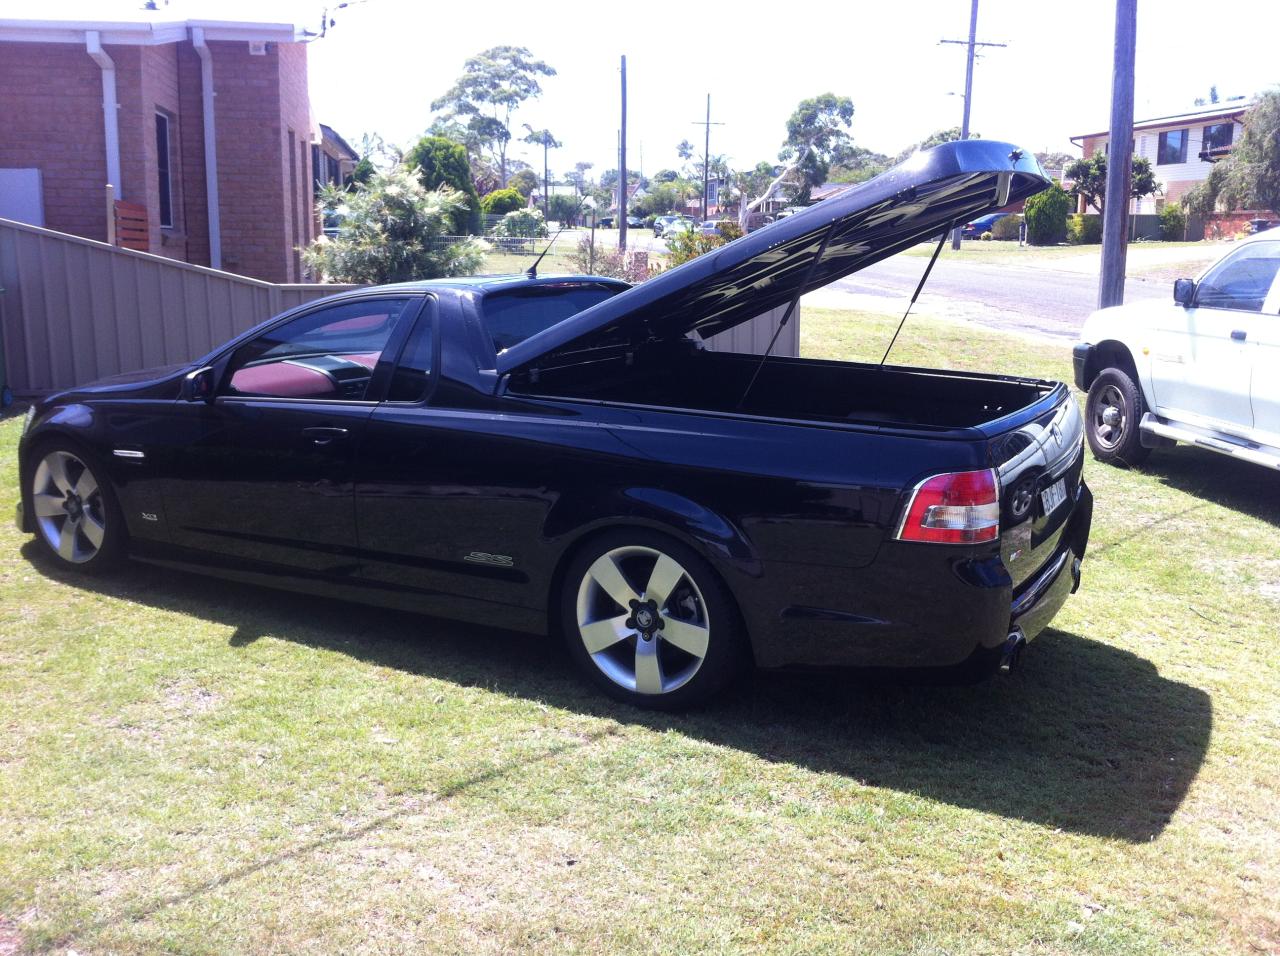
[[512, 316]]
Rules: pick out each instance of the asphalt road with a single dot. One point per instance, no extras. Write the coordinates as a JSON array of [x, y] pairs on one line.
[[1023, 298]]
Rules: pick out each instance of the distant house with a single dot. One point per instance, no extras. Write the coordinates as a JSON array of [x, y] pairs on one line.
[[202, 127], [332, 159], [1182, 148]]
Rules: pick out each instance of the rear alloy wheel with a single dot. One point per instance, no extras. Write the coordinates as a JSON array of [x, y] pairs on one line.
[[648, 622], [73, 512], [1113, 412]]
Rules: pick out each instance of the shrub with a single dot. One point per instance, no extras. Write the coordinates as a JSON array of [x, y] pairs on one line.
[[986, 236], [1006, 228], [391, 229], [502, 201], [630, 267], [692, 243], [1046, 215], [1173, 222], [1084, 228], [525, 223], [441, 162]]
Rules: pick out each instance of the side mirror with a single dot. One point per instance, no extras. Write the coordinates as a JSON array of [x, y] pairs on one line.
[[1184, 291], [198, 385]]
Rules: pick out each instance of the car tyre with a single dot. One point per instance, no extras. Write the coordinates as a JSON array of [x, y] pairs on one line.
[[648, 622], [77, 520], [1113, 411]]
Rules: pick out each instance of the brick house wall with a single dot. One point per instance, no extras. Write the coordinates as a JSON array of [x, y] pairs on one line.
[[264, 127], [51, 120]]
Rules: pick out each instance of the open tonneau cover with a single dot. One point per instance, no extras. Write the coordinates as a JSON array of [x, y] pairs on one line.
[[917, 199]]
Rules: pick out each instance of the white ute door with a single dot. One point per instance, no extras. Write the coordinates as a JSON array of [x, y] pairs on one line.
[[1264, 393], [1202, 362]]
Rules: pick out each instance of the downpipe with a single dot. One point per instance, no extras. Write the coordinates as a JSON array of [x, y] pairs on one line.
[[1011, 654]]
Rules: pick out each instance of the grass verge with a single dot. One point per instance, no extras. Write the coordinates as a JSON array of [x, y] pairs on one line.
[[196, 766]]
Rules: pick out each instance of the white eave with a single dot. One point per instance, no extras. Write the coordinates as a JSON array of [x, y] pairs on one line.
[[140, 32]]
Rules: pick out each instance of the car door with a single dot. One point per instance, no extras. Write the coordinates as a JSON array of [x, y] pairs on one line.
[[1202, 360], [1264, 392], [262, 472]]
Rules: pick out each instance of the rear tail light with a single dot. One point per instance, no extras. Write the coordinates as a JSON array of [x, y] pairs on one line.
[[962, 507]]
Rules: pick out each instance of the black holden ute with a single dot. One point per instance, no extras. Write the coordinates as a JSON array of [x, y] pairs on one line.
[[563, 455]]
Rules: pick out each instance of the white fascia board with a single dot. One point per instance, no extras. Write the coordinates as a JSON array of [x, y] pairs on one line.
[[151, 33]]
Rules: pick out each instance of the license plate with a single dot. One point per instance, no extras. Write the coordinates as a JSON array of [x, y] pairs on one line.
[[1053, 496]]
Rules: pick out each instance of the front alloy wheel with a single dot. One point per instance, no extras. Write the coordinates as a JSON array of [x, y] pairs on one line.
[[648, 621], [73, 512]]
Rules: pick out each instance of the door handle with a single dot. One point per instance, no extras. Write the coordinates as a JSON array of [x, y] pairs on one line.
[[324, 434], [1238, 335]]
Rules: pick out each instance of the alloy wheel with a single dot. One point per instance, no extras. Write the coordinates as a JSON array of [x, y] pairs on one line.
[[68, 507], [643, 620]]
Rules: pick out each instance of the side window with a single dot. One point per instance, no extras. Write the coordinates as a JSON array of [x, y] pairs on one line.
[[327, 354], [411, 379], [1241, 281]]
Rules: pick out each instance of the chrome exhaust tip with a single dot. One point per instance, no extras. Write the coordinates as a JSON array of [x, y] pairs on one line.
[[1012, 653]]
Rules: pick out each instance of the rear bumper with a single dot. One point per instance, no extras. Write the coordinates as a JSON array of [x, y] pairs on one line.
[[917, 608]]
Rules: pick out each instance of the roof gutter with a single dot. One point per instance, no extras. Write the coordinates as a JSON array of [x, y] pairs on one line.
[[210, 146], [110, 123]]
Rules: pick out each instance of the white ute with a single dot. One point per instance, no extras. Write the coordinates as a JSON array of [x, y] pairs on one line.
[[1203, 368]]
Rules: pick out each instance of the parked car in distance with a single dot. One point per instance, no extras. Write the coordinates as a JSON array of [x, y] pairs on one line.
[[1201, 368], [712, 227], [661, 223], [680, 225], [975, 229], [606, 222], [635, 222], [563, 454]]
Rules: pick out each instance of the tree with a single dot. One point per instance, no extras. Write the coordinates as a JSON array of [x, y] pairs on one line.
[[817, 135], [502, 201], [524, 182], [1252, 179], [684, 149], [392, 229], [579, 177], [859, 166], [936, 138], [543, 138], [665, 176], [1054, 160], [492, 87], [1089, 179], [1213, 96], [441, 162], [565, 209], [1046, 216]]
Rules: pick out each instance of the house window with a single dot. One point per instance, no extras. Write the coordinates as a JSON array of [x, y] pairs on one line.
[[1218, 136], [162, 167], [1173, 147]]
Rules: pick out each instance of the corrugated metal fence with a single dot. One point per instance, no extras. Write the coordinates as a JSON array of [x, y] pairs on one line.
[[73, 310]]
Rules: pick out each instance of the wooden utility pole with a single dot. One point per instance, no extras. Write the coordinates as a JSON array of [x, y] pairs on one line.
[[1115, 213], [706, 154], [972, 44], [622, 165]]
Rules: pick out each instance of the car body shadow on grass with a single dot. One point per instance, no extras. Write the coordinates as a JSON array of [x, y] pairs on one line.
[[1084, 737], [1239, 485]]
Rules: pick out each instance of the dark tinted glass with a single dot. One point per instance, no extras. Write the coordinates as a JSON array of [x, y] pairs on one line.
[[1218, 135], [511, 317], [327, 354], [412, 378], [1242, 281], [1173, 147]]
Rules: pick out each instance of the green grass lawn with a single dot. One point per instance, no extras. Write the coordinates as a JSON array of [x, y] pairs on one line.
[[1008, 251], [193, 766]]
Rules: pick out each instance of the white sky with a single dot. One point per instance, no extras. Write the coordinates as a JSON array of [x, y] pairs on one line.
[[380, 67]]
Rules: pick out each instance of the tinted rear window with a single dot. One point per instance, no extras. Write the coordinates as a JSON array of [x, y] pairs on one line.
[[511, 317]]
